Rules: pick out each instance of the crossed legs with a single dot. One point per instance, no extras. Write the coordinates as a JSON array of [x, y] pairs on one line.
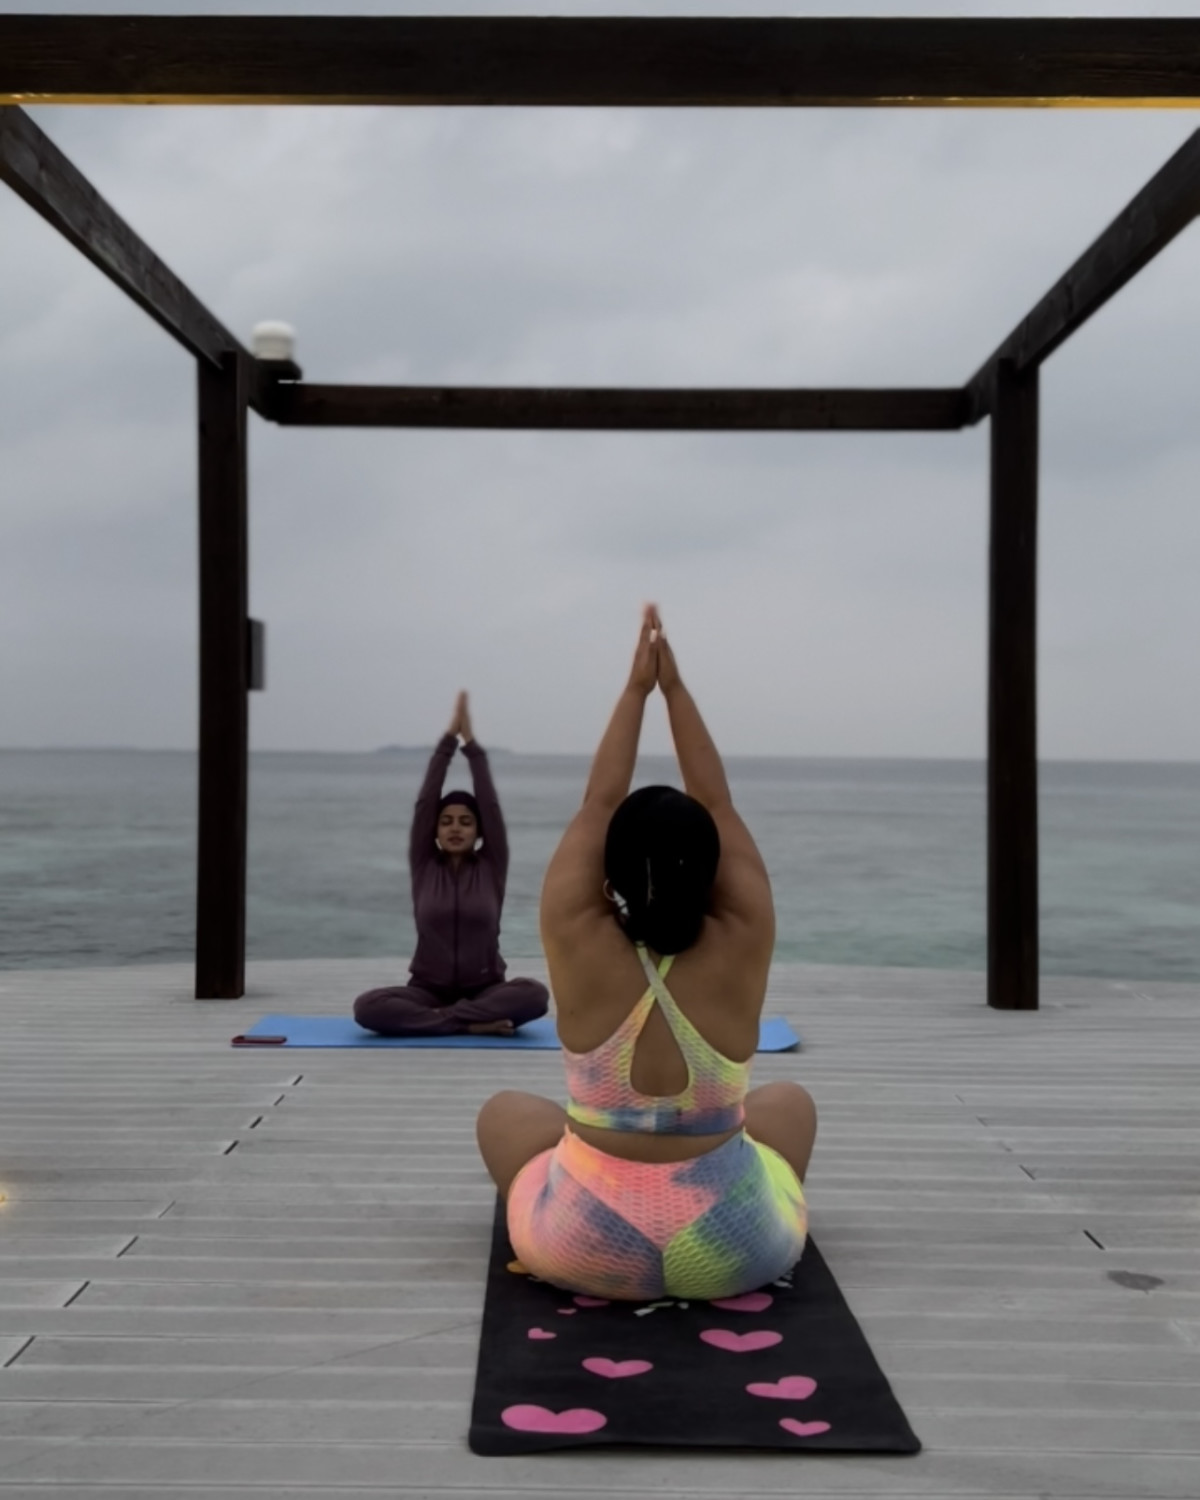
[[415, 1010]]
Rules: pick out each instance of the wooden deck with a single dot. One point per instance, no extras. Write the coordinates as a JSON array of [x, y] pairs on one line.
[[229, 1273]]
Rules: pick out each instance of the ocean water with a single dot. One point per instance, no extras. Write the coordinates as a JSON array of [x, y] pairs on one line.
[[872, 861]]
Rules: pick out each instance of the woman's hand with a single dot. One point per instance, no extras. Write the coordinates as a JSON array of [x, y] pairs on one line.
[[464, 720], [668, 668], [459, 717], [644, 672]]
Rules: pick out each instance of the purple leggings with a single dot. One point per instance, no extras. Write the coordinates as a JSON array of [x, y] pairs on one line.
[[428, 1010]]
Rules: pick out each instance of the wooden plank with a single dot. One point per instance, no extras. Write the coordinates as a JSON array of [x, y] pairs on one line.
[[1012, 927], [904, 1358], [1168, 203], [1005, 1395], [984, 1288], [304, 405], [106, 1331], [389, 1490], [224, 685], [120, 1463], [1061, 1432], [497, 1489], [11, 1349], [18, 1295], [428, 1421], [687, 61], [38, 172], [42, 1246]]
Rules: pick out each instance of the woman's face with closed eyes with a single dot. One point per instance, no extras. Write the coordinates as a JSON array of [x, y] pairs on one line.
[[457, 829]]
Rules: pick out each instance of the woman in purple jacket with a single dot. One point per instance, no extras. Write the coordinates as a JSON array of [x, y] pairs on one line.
[[458, 856]]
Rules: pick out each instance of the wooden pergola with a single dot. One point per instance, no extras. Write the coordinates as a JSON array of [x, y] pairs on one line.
[[592, 62]]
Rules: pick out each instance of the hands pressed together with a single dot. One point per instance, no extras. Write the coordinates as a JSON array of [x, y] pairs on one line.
[[654, 662], [460, 723]]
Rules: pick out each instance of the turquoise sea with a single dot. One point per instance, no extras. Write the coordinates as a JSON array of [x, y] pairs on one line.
[[873, 862]]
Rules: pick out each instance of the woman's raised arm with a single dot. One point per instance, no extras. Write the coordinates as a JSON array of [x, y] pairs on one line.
[[491, 819], [574, 882], [422, 836], [742, 889]]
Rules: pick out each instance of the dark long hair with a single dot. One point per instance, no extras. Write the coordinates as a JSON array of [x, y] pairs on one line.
[[660, 856]]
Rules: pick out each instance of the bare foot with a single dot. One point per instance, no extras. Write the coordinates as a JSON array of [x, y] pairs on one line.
[[492, 1028]]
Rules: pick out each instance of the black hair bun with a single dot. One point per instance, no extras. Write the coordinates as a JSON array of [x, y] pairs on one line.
[[660, 856]]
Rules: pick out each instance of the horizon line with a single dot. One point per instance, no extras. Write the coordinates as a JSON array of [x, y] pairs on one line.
[[587, 754]]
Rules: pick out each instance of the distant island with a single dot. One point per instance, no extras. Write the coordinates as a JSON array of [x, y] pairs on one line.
[[427, 749]]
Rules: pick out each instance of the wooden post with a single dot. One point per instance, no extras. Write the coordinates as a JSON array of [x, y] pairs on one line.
[[1012, 942], [224, 713]]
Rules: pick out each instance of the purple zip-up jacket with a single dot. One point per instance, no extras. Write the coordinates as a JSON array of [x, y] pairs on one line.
[[458, 913]]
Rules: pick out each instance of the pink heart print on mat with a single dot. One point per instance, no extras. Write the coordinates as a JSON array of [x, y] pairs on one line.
[[789, 1388], [747, 1302], [540, 1333], [803, 1429], [741, 1343], [579, 1419], [615, 1369], [590, 1301]]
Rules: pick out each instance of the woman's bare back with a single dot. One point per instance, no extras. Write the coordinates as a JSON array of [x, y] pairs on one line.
[[719, 985]]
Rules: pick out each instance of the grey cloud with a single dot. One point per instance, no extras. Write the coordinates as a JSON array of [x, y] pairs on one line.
[[826, 591]]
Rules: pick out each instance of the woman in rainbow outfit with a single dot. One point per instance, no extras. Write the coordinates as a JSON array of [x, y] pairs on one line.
[[666, 1175]]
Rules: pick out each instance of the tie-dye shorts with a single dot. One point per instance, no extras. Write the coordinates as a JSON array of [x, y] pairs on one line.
[[716, 1225]]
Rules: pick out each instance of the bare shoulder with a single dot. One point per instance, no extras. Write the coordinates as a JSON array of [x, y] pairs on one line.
[[573, 886], [596, 979], [727, 970], [742, 900]]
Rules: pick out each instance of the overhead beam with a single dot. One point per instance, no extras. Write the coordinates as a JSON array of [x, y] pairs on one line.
[[303, 405], [1164, 207], [37, 171], [689, 61]]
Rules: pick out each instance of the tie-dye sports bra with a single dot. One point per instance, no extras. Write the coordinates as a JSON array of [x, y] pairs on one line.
[[601, 1088]]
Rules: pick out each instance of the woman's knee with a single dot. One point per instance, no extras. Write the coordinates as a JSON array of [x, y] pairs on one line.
[[515, 1110], [500, 1104], [784, 1095], [534, 989], [783, 1115], [367, 1007], [512, 1128], [530, 999], [501, 1110]]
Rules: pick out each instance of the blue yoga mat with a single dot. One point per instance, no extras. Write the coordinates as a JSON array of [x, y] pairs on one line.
[[538, 1036]]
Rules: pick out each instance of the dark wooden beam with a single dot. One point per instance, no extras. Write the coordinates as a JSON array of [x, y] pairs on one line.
[[1165, 206], [37, 171], [1012, 943], [224, 680], [596, 60], [306, 405]]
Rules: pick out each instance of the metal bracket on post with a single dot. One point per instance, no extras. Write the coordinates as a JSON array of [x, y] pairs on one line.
[[256, 656]]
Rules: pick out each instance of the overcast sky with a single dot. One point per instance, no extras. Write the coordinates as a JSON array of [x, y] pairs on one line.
[[825, 592]]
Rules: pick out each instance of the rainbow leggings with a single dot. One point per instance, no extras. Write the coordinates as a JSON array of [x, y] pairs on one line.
[[717, 1225]]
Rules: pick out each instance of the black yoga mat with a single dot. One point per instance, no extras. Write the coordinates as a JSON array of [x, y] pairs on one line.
[[785, 1367]]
